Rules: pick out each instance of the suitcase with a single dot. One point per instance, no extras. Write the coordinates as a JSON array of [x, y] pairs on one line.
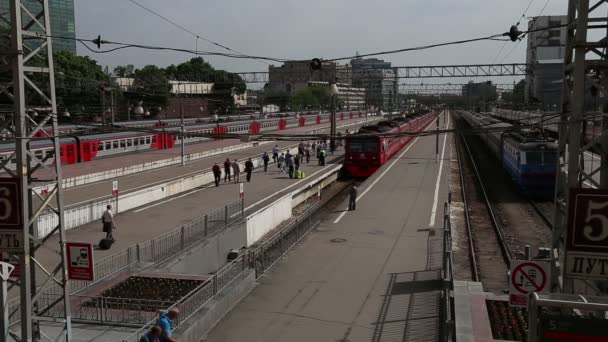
[[300, 174], [105, 244]]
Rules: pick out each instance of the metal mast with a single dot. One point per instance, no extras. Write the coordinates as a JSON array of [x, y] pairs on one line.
[[585, 67], [32, 89]]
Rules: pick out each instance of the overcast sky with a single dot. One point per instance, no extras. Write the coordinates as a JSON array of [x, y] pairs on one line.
[[307, 29]]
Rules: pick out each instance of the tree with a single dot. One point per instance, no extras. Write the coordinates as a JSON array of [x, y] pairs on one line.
[[124, 71], [150, 86], [516, 97], [79, 82], [225, 84], [310, 98]]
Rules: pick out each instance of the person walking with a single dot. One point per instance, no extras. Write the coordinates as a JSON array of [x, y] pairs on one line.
[[249, 169], [107, 220], [217, 174], [265, 160], [296, 161], [153, 335], [165, 322], [227, 167], [288, 161], [275, 153], [307, 154], [322, 158], [236, 170], [314, 148], [280, 162], [352, 198]]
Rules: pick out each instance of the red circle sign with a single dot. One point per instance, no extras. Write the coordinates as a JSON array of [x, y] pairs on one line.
[[520, 269]]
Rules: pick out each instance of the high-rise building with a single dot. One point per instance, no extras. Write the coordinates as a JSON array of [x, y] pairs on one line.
[[545, 59], [379, 79], [62, 21]]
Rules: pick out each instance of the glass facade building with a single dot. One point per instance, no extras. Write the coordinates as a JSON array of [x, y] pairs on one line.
[[62, 21]]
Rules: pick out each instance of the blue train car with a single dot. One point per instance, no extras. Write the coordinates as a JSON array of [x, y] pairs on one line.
[[530, 158]]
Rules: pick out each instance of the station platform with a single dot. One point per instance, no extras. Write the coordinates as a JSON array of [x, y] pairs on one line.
[[79, 194], [364, 275], [162, 216]]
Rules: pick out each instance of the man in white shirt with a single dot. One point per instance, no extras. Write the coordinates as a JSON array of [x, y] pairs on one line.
[[108, 222]]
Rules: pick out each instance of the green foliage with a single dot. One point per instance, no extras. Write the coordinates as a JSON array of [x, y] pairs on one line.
[[124, 71], [78, 81], [516, 97], [151, 86], [310, 98], [277, 98], [225, 84]]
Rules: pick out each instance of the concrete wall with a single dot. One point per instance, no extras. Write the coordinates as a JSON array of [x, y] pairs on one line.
[[198, 326], [267, 218], [208, 256]]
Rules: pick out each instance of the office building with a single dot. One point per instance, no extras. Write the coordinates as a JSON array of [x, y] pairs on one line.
[[378, 79], [62, 21], [292, 77], [545, 59]]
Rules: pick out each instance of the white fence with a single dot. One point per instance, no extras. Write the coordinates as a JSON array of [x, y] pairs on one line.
[[268, 218]]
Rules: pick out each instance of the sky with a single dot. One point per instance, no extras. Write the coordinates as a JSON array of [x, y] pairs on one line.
[[295, 29]]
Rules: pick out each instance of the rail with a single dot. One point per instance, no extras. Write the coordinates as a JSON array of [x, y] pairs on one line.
[[448, 326], [153, 251], [260, 259]]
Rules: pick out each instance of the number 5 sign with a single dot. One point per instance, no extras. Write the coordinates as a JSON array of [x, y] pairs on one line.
[[587, 239]]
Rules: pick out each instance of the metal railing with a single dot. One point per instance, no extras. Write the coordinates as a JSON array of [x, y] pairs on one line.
[[199, 297], [448, 325], [260, 259], [154, 251], [270, 251]]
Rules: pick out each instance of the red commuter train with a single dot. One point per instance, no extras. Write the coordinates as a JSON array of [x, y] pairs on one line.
[[365, 154]]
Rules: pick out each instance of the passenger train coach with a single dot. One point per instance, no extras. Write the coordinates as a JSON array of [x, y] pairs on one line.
[[530, 158], [365, 154], [77, 149]]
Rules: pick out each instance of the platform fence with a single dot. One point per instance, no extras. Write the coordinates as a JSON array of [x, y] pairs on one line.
[[153, 251], [448, 326], [260, 259]]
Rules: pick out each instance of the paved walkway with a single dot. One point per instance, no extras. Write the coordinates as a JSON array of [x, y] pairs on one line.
[[363, 275]]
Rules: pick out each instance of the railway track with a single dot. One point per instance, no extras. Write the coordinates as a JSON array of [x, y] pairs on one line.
[[489, 254], [500, 220]]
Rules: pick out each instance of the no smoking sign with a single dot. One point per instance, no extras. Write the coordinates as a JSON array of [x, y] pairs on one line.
[[526, 277]]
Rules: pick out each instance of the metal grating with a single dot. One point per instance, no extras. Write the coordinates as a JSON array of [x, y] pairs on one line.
[[411, 308]]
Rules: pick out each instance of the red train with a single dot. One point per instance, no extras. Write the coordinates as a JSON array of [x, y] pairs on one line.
[[365, 155]]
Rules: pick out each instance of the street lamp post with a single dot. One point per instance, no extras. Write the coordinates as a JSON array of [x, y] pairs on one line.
[[333, 92]]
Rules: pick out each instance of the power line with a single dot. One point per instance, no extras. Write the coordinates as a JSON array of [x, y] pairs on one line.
[[518, 21], [196, 35]]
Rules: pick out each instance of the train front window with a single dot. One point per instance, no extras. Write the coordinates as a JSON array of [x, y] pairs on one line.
[[550, 158], [363, 146], [534, 157]]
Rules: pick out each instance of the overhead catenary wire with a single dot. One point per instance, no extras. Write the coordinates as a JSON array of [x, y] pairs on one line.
[[197, 36], [519, 20]]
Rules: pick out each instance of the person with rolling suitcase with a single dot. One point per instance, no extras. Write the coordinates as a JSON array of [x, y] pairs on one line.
[[107, 220]]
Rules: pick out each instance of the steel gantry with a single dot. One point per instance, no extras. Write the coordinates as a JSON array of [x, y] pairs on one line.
[[585, 74], [400, 72], [27, 78]]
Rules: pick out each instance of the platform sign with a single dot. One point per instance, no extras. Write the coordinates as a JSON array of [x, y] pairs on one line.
[[587, 238], [80, 261], [526, 277], [554, 328], [241, 190], [114, 188], [11, 230]]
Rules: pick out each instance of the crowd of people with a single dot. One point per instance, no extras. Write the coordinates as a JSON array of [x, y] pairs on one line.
[[287, 163]]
